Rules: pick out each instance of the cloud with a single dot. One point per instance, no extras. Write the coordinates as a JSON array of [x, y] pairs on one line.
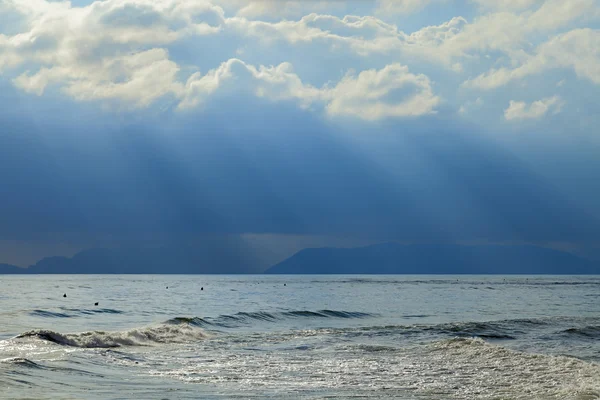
[[274, 83], [518, 110], [577, 50], [367, 33], [280, 8], [506, 30], [470, 106], [374, 94], [107, 50], [507, 4], [387, 7], [390, 92], [554, 14], [83, 38], [116, 51], [298, 8], [138, 79], [239, 117], [138, 52]]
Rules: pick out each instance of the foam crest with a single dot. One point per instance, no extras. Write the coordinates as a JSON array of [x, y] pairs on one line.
[[165, 333]]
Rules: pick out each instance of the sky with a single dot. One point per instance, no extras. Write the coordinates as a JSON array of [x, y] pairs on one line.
[[285, 124]]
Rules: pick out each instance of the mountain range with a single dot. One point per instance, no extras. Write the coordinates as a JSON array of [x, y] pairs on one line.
[[385, 258], [393, 258]]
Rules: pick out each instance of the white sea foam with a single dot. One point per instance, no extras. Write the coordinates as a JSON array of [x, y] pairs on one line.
[[458, 368], [472, 368]]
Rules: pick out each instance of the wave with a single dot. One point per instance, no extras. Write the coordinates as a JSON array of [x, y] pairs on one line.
[[586, 331], [499, 330], [161, 334], [175, 330], [245, 318], [485, 330], [493, 330], [73, 312], [502, 329], [327, 314], [49, 314], [22, 362], [91, 311]]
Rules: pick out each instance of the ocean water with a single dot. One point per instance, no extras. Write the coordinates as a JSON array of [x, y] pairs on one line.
[[307, 337]]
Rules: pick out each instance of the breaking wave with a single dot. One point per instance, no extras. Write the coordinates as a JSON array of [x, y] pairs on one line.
[[160, 334], [175, 330]]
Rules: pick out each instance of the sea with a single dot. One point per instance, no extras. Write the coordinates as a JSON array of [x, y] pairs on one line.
[[299, 337]]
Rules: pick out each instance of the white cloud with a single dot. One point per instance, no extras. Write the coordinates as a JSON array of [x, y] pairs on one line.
[[161, 22], [367, 32], [390, 92], [519, 110], [297, 8], [60, 35], [142, 78], [578, 49], [506, 35], [450, 43], [554, 14], [107, 50], [275, 83], [137, 51], [372, 95], [114, 50], [128, 24], [364, 36], [138, 79], [280, 8]]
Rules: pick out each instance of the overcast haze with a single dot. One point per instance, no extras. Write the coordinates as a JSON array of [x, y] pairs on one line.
[[285, 124]]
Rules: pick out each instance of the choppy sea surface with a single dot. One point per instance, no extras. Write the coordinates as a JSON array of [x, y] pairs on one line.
[[309, 337]]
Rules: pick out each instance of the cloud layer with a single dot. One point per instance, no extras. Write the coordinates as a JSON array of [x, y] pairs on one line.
[[136, 53]]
